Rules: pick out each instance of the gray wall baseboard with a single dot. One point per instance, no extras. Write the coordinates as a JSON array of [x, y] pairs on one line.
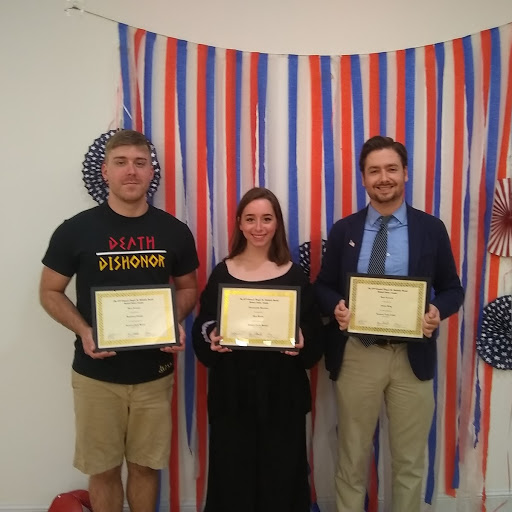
[[443, 504]]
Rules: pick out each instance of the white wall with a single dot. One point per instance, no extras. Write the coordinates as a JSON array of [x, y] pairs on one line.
[[58, 79]]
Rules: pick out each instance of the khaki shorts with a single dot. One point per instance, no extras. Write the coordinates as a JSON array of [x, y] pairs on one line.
[[117, 421]]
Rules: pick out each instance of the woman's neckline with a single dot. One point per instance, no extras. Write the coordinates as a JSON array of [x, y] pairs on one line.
[[290, 265]]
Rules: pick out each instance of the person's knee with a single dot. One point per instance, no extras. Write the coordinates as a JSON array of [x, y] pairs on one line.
[[136, 470], [106, 477]]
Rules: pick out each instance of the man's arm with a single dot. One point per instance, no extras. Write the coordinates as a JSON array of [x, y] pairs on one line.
[[186, 294], [57, 304], [449, 294]]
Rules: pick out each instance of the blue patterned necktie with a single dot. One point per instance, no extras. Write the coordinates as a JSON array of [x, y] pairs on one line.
[[377, 264]]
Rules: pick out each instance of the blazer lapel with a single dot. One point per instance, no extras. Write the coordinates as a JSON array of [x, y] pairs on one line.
[[355, 238]]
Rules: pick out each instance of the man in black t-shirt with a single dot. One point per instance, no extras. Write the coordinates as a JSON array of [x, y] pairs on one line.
[[121, 399]]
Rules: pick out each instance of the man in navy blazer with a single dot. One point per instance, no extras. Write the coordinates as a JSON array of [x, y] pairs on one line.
[[400, 373]]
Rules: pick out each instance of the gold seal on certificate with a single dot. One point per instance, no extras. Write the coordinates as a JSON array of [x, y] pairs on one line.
[[126, 317], [259, 317], [390, 306]]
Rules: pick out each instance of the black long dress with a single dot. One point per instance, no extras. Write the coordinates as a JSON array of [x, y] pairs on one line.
[[257, 406]]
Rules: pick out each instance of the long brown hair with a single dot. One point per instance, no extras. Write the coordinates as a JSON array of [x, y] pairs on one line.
[[278, 251]]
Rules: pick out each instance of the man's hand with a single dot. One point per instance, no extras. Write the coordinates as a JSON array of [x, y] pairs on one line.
[[431, 321], [90, 346], [342, 314], [177, 348]]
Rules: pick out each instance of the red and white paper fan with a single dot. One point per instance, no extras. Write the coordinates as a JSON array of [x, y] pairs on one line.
[[500, 239]]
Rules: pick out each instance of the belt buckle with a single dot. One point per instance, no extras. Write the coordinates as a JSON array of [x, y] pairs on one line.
[[386, 341]]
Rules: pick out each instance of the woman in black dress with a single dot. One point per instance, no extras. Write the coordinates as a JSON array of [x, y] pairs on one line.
[[257, 399]]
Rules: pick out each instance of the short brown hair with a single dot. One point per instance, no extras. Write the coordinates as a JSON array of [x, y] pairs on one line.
[[279, 251], [380, 142], [126, 138]]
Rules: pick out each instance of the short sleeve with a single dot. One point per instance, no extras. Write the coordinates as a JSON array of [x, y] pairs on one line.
[[186, 259], [61, 254]]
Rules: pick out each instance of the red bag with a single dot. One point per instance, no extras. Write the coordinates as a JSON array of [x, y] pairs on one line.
[[73, 501]]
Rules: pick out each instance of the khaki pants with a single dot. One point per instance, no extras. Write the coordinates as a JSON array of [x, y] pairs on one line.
[[369, 375]]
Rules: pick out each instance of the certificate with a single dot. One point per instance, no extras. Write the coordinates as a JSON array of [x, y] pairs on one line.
[[390, 306], [259, 317], [135, 317]]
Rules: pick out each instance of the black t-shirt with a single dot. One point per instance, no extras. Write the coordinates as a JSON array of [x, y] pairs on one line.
[[104, 248]]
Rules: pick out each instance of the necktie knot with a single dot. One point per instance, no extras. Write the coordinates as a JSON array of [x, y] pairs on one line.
[[384, 221]]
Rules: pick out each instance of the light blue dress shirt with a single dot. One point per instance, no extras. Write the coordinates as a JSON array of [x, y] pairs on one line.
[[397, 260]]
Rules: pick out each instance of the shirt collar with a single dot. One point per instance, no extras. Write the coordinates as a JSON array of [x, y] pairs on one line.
[[400, 214]]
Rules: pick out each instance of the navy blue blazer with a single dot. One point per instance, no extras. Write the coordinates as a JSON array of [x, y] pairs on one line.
[[430, 255]]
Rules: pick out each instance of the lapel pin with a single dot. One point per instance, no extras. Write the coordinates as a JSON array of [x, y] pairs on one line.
[[351, 243]]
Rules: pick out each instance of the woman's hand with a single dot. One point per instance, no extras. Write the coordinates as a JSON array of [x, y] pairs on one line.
[[214, 342], [298, 346]]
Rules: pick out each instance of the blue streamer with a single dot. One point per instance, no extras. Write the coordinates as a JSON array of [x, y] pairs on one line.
[[148, 84], [493, 134], [410, 85], [125, 76], [148, 88], [439, 49], [376, 450], [477, 418], [262, 112], [181, 90], [190, 382], [293, 198], [383, 92], [210, 129], [159, 491], [238, 121], [432, 445]]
